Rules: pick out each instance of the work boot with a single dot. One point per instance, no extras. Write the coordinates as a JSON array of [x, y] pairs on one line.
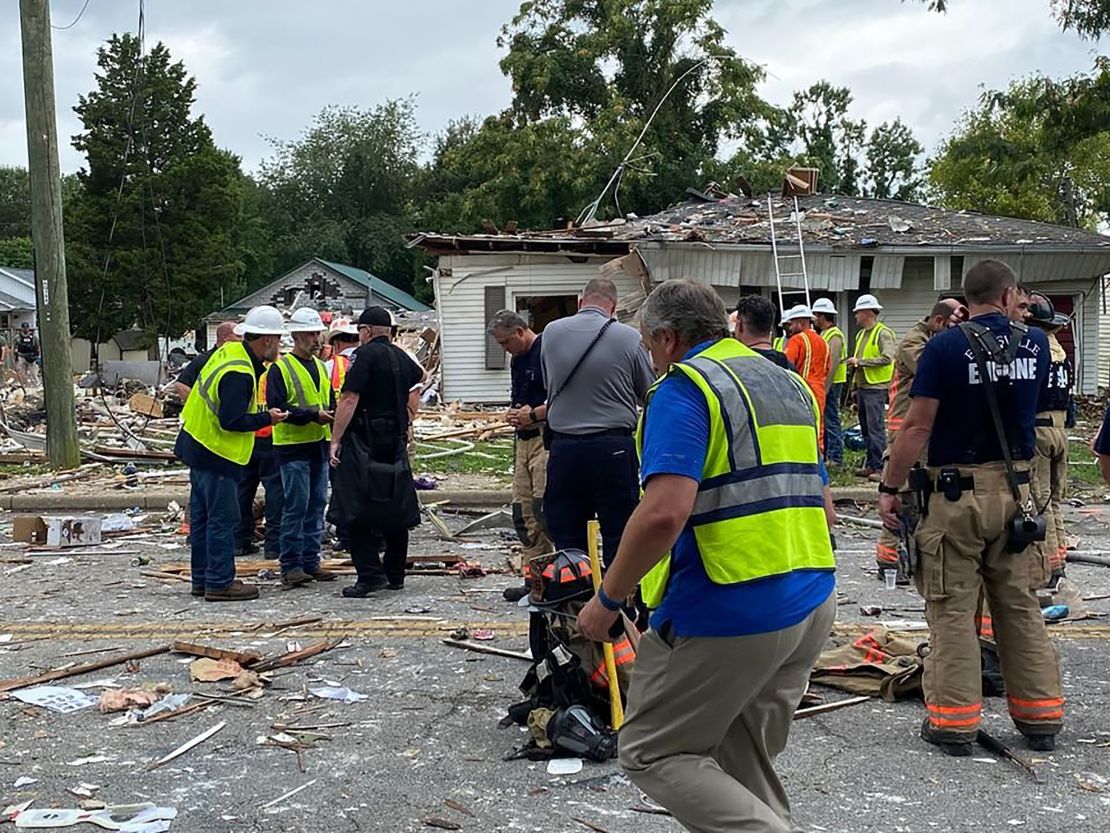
[[198, 590], [950, 744], [295, 577], [362, 589], [1041, 743], [320, 574], [515, 593], [247, 549], [234, 592], [865, 472], [395, 585]]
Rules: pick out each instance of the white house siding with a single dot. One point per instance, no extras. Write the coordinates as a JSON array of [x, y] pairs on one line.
[[903, 306], [1101, 303], [460, 301]]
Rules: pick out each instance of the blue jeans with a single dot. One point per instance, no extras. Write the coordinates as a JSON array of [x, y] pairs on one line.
[[592, 475], [262, 468], [872, 422], [213, 515], [302, 520], [834, 432]]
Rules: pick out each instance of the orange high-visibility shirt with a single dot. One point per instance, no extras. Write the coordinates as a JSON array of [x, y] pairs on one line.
[[810, 354]]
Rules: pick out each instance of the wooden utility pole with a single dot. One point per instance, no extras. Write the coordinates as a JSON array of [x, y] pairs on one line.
[[51, 293]]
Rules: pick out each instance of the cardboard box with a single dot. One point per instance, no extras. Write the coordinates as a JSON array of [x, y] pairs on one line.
[[28, 529], [57, 530]]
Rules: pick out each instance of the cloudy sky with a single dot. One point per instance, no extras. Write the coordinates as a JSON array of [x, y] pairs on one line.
[[264, 67]]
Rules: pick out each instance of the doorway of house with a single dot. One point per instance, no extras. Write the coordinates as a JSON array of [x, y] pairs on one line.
[[541, 310]]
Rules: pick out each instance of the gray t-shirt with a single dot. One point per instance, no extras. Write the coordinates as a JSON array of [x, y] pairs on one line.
[[609, 386]]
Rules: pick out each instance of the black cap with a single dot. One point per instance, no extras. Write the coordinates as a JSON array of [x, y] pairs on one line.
[[375, 317]]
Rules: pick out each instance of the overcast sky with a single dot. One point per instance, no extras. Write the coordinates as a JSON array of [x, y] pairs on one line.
[[265, 67]]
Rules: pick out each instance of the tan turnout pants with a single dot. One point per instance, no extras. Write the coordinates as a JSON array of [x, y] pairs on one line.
[[529, 482], [1049, 485], [963, 555], [708, 716]]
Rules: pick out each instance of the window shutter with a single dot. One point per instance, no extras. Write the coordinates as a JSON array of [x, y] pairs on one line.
[[495, 302]]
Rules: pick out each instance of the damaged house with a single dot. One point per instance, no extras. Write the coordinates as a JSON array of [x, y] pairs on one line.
[[908, 255]]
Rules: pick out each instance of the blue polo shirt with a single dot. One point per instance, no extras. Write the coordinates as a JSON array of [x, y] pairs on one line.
[[964, 431], [676, 441]]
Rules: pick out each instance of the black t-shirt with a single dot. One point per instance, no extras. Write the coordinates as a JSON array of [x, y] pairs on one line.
[[371, 377], [191, 372], [527, 377]]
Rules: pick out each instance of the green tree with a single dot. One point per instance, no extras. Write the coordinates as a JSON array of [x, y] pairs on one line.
[[1040, 150], [17, 253], [151, 231], [892, 168], [344, 191], [606, 65], [15, 202], [829, 139], [1087, 18]]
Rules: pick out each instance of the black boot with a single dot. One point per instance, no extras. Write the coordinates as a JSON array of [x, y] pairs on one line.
[[361, 589], [1041, 743], [954, 745]]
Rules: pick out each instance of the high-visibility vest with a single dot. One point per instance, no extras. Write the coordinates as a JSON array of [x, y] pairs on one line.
[[266, 431], [302, 392], [339, 366], [759, 509], [202, 409], [779, 344], [874, 375], [841, 374]]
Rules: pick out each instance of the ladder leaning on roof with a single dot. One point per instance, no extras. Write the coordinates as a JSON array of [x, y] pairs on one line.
[[780, 274]]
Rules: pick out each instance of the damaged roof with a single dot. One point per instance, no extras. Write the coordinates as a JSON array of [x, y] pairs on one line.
[[831, 222]]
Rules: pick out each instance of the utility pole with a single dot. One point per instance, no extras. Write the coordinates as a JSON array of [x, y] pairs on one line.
[[51, 293]]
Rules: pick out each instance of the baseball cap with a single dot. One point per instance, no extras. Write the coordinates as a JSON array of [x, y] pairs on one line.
[[375, 317]]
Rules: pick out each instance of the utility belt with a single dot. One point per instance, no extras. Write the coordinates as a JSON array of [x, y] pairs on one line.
[[608, 432], [528, 433], [951, 483]]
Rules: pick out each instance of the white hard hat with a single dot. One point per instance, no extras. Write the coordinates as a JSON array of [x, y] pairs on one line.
[[262, 321], [867, 302], [305, 320], [342, 326], [795, 312], [824, 305]]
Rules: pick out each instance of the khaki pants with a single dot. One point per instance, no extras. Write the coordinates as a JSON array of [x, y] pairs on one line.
[[963, 556], [1049, 485], [529, 482], [708, 716]]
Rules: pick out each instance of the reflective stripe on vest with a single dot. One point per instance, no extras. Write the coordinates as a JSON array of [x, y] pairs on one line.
[[302, 392], [339, 365], [266, 431], [841, 374], [874, 375], [779, 344], [623, 654], [759, 510], [202, 409]]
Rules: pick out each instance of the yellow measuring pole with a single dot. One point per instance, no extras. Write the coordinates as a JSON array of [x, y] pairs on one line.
[[616, 707]]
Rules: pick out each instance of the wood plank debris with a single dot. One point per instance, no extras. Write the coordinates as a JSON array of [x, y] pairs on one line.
[[294, 657], [85, 668], [289, 794], [241, 657], [185, 747], [825, 708], [486, 649]]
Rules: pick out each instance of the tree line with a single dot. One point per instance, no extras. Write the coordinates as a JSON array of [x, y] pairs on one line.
[[163, 226]]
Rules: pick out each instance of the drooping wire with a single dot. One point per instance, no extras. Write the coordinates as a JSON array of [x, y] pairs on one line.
[[76, 20]]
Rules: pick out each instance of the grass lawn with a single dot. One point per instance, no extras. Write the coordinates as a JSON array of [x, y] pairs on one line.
[[493, 457]]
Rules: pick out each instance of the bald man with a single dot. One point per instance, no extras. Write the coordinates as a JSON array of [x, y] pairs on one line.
[[188, 376]]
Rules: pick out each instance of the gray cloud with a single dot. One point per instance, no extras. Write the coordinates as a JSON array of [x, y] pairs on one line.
[[265, 67]]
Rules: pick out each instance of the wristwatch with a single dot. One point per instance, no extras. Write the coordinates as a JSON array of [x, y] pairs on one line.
[[888, 490]]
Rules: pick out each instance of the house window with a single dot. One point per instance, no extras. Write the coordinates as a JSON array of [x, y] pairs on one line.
[[541, 310]]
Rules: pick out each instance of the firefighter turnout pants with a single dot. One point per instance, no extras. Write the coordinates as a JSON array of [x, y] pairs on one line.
[[962, 547], [1049, 484], [529, 483]]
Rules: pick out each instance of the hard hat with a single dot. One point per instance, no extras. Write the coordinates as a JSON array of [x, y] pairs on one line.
[[342, 326], [262, 321], [305, 320], [824, 305], [795, 312], [867, 302]]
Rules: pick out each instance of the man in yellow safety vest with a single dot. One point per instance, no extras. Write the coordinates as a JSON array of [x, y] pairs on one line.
[[872, 365], [730, 462], [298, 383], [216, 442]]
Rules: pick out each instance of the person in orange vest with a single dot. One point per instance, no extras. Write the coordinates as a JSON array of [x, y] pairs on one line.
[[809, 353]]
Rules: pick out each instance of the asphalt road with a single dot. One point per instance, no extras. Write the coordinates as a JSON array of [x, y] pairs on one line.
[[428, 733]]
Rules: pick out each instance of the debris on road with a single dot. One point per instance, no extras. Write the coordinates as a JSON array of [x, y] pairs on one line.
[[185, 747], [55, 698]]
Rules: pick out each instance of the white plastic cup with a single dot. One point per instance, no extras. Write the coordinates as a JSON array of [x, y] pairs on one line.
[[891, 579]]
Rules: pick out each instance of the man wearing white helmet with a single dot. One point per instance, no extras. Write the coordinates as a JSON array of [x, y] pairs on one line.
[[216, 441], [872, 365], [299, 383], [810, 354], [824, 317]]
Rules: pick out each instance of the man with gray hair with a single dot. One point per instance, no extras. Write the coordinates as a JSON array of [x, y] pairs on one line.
[[597, 375], [731, 548], [527, 411]]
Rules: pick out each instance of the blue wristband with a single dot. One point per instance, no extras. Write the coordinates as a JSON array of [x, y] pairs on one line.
[[607, 602]]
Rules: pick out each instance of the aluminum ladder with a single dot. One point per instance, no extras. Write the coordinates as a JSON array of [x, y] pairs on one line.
[[782, 271]]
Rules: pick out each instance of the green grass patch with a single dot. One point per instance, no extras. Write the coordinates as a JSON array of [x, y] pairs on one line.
[[492, 458], [1083, 466], [24, 470]]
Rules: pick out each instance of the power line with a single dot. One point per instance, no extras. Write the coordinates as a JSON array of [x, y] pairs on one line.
[[80, 14]]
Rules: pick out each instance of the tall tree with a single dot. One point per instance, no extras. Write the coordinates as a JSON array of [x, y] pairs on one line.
[[344, 191], [830, 140], [152, 229], [15, 202], [892, 168], [1040, 149], [608, 64]]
